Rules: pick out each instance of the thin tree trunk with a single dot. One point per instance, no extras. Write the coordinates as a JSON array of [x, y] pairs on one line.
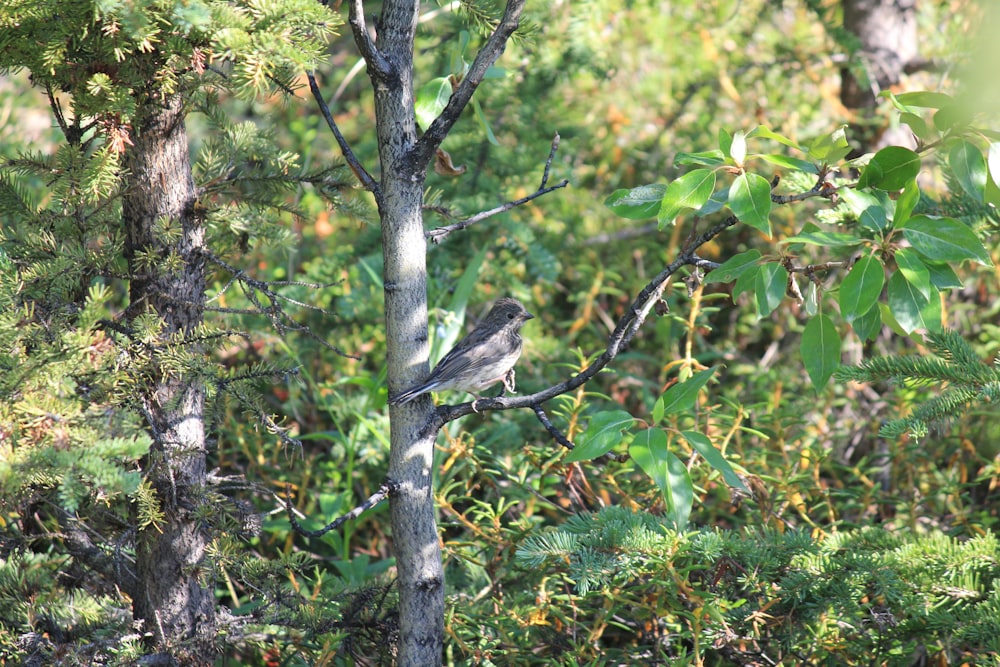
[[414, 525], [173, 600]]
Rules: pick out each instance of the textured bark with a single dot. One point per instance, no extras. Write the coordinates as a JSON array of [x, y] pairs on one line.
[[414, 526], [887, 31], [171, 599]]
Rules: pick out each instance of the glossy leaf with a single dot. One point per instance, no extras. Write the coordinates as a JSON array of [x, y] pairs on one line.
[[993, 162], [890, 169], [711, 158], [769, 287], [681, 397], [790, 162], [703, 445], [868, 325], [649, 450], [944, 240], [603, 433], [873, 218], [924, 99], [733, 268], [905, 203], [431, 100], [911, 309], [692, 190], [943, 276], [917, 125], [827, 239], [830, 148], [750, 201], [637, 203], [969, 167], [738, 147], [820, 349], [914, 270], [768, 133], [861, 288]]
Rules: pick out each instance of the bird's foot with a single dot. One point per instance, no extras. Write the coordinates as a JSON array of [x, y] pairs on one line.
[[508, 381]]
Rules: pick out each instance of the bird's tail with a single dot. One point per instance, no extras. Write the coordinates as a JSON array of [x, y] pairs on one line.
[[409, 394]]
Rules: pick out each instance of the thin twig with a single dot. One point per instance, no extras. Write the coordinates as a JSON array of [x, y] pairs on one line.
[[378, 66], [441, 233], [553, 431], [381, 494], [352, 160]]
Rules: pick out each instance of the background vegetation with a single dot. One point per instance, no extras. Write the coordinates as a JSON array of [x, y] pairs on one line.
[[852, 547]]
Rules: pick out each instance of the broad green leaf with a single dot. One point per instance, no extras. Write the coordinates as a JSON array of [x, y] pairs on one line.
[[917, 125], [861, 288], [873, 218], [637, 203], [725, 141], [830, 148], [953, 117], [681, 397], [811, 299], [431, 100], [944, 240], [769, 287], [993, 160], [733, 268], [738, 148], [858, 202], [868, 325], [911, 309], [820, 349], [925, 100], [746, 283], [828, 239], [649, 450], [905, 203], [711, 158], [715, 203], [691, 190], [703, 445], [914, 270], [750, 201], [969, 166], [603, 433], [768, 133], [890, 169], [790, 162], [658, 410], [943, 276], [483, 123]]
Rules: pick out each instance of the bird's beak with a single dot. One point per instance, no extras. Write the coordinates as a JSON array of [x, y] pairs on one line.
[[528, 316]]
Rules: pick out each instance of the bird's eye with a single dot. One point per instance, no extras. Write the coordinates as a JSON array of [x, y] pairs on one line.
[[510, 316]]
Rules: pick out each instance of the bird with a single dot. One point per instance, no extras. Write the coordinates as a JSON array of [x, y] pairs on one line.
[[484, 357]]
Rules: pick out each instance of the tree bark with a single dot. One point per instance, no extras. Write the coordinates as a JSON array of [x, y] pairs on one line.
[[887, 32], [414, 525], [172, 599]]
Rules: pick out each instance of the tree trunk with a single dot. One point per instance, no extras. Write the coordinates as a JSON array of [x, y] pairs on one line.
[[887, 32], [414, 525], [173, 600]]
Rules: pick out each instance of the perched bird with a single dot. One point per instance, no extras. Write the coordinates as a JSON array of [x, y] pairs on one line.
[[481, 359]]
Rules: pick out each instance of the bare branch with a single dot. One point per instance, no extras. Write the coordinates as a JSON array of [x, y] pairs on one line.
[[553, 431], [441, 233], [378, 66], [495, 45], [626, 329], [353, 162], [381, 494]]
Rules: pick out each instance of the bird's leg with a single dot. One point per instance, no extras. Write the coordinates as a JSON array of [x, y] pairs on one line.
[[508, 382]]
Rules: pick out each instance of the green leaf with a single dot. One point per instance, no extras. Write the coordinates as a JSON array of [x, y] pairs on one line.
[[943, 276], [917, 125], [861, 288], [449, 329], [914, 270], [790, 163], [431, 100], [603, 432], [681, 397], [733, 268], [711, 158], [858, 202], [911, 309], [750, 201], [747, 282], [868, 325], [993, 160], [944, 240], [830, 148], [637, 203], [811, 299], [952, 117], [715, 203], [768, 133], [925, 100], [890, 169], [703, 445], [483, 123], [725, 141], [649, 450], [820, 349], [691, 190], [969, 166], [828, 239], [873, 218], [769, 287], [905, 203]]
